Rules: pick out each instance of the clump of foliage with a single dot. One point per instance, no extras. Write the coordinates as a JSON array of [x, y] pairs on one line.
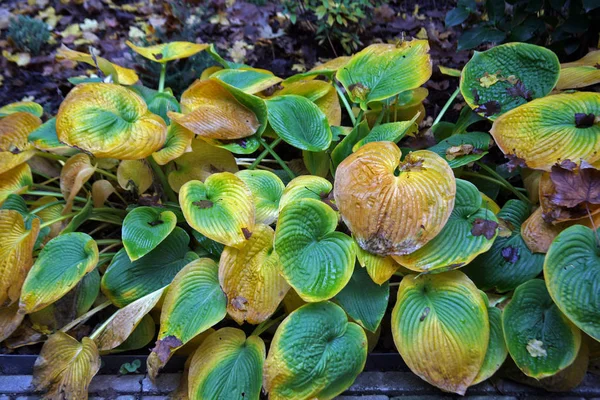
[[184, 221], [28, 34]]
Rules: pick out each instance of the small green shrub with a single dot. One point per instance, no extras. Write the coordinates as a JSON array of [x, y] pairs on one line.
[[28, 34]]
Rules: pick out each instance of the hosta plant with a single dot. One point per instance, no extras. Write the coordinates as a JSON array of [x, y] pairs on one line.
[[258, 225]]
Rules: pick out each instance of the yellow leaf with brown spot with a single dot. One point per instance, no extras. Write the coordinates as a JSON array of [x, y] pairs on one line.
[[165, 52], [135, 175], [74, 174], [179, 141], [16, 180], [65, 367]]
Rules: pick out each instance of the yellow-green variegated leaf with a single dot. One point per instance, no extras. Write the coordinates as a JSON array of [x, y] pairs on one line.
[[73, 175], [379, 268], [14, 146], [382, 70], [250, 278], [392, 206], [109, 121], [316, 260], [215, 110], [441, 329], [16, 247], [496, 351], [267, 189], [121, 75], [580, 73], [546, 131], [44, 137], [162, 53], [249, 80], [221, 208], [126, 281], [62, 263], [30, 107], [14, 181], [179, 141], [504, 77], [322, 93], [227, 365], [572, 274], [306, 187], [470, 231], [327, 69], [203, 161], [144, 228], [65, 367], [194, 302], [135, 175], [540, 339], [123, 322], [315, 354]]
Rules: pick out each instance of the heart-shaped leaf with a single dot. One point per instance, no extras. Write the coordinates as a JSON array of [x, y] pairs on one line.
[[322, 93], [540, 339], [441, 329], [392, 206], [572, 274], [470, 231], [316, 261], [267, 189], [306, 187], [315, 354], [62, 263], [165, 52], [249, 80], [227, 366], [221, 208], [299, 122], [144, 228], [464, 148], [250, 278], [126, 281]]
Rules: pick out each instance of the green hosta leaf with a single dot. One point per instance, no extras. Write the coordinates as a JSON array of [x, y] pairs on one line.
[[315, 354], [572, 273], [316, 261], [249, 80], [382, 70], [299, 122], [140, 337], [212, 248], [45, 138], [305, 187], [540, 339], [62, 263], [316, 162], [245, 145], [506, 76], [441, 329], [392, 132], [266, 188], [509, 262], [496, 351], [126, 281], [462, 149], [144, 228], [344, 148], [470, 231], [194, 302], [227, 366], [364, 300]]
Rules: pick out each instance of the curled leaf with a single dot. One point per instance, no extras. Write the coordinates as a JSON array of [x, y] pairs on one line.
[[74, 174], [135, 176], [166, 52], [179, 142], [121, 75], [267, 189]]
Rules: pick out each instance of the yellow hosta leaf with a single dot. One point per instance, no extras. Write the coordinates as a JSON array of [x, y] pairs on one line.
[[30, 107], [165, 52], [74, 174], [250, 278], [16, 247], [101, 190], [66, 367], [50, 213], [379, 268], [581, 73], [15, 180], [109, 121], [10, 319], [203, 161], [179, 141], [135, 175], [14, 146]]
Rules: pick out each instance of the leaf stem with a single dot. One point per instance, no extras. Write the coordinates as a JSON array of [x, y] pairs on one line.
[[163, 179], [506, 183], [346, 104], [446, 106], [276, 156], [61, 218], [43, 193], [107, 174], [50, 156], [47, 205], [85, 317], [587, 208], [266, 325], [107, 241], [163, 75], [264, 154]]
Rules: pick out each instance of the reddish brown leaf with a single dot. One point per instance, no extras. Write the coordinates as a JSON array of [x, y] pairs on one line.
[[163, 347], [484, 227], [574, 187]]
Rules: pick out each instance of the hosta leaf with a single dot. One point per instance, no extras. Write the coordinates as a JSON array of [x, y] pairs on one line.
[[245, 145], [74, 174], [384, 70], [299, 122], [540, 339], [392, 206], [10, 319], [221, 208], [144, 228], [580, 73], [194, 302], [62, 263], [496, 351], [121, 75], [101, 191], [316, 261], [462, 149], [506, 76], [160, 103], [344, 148], [14, 146], [109, 121], [166, 52], [379, 268], [316, 162], [65, 367], [392, 132], [250, 278], [135, 176], [16, 247], [123, 322], [48, 214], [315, 354], [322, 93], [267, 189], [141, 336], [441, 329], [306, 187], [179, 141], [249, 80], [215, 110], [16, 180], [572, 274], [509, 262], [126, 281], [363, 300], [227, 366], [459, 242], [327, 69], [547, 131], [30, 107], [203, 161]]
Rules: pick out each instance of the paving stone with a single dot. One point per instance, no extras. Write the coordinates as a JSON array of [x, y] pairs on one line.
[[4, 397], [27, 398], [127, 397], [436, 397], [165, 384], [16, 384], [155, 397], [374, 397], [125, 384], [492, 397]]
